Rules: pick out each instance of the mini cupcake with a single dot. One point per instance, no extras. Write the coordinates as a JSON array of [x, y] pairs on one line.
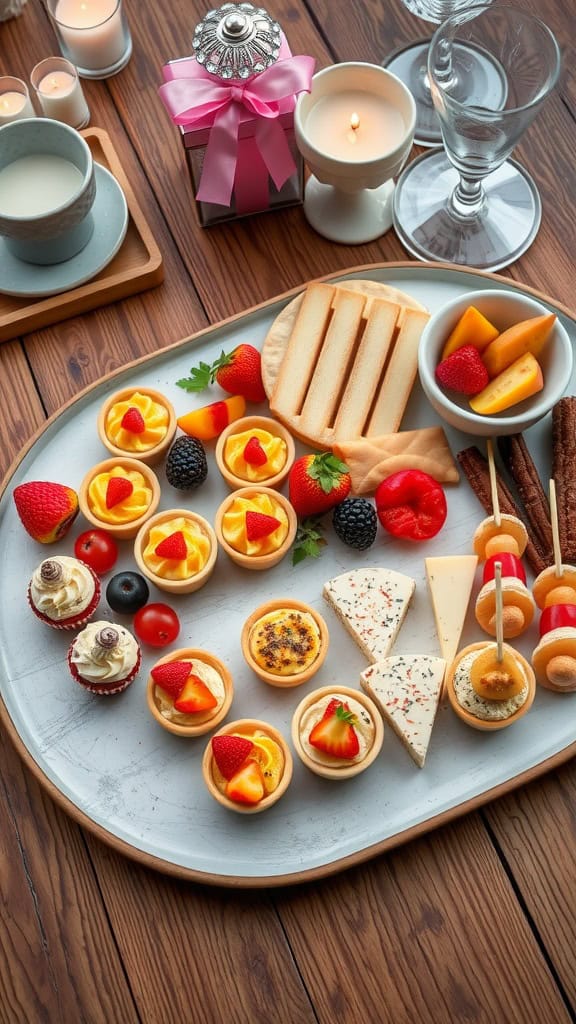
[[104, 658], [285, 642], [138, 422], [63, 592], [118, 495], [247, 766], [177, 550], [255, 449], [256, 526], [189, 692], [337, 732]]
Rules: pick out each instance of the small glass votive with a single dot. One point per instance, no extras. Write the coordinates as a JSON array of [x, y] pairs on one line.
[[15, 102], [92, 34], [59, 92]]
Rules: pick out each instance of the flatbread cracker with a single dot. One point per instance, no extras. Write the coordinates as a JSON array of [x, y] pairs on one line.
[[370, 459]]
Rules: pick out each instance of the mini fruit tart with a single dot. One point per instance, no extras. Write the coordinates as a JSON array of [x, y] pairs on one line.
[[487, 694], [337, 732], [189, 691], [255, 449], [256, 526], [176, 549], [285, 642], [137, 422], [247, 766], [119, 495]]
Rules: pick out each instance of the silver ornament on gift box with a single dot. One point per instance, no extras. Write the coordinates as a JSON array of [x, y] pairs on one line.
[[236, 41]]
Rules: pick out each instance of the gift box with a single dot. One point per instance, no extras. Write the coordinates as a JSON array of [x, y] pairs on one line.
[[235, 115]]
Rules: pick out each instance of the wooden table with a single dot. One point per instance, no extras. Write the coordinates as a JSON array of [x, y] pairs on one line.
[[475, 922]]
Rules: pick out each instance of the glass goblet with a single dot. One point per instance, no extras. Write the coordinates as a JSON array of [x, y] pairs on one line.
[[409, 63], [469, 204]]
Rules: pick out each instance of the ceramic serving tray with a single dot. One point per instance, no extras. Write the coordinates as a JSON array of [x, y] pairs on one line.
[[109, 764]]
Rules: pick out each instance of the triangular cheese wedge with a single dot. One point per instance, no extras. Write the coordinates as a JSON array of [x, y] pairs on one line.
[[406, 689], [371, 604], [450, 581]]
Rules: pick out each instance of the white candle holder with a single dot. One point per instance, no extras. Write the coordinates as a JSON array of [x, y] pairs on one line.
[[348, 198], [59, 92], [15, 102], [92, 34]]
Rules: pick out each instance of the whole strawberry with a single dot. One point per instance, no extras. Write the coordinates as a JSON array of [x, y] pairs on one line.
[[47, 510], [463, 371], [239, 373], [316, 483]]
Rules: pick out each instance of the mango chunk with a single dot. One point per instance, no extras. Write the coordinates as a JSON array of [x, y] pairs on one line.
[[209, 421], [472, 329], [519, 381], [527, 336]]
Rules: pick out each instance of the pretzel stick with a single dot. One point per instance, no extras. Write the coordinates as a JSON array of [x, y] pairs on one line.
[[564, 472], [493, 486], [520, 465]]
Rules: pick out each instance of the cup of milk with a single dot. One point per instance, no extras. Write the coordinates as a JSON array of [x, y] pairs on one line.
[[47, 190]]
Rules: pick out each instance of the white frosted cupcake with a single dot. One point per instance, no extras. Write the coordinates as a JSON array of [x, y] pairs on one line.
[[63, 592], [104, 658]]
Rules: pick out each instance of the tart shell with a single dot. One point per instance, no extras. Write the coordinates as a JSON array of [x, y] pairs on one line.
[[207, 720], [255, 423], [191, 583], [470, 719], [284, 682], [257, 562], [153, 455], [324, 770], [124, 531], [242, 725]]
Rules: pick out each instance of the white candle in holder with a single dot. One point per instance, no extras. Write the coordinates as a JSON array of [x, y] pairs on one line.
[[93, 34], [355, 125], [59, 92], [15, 102]]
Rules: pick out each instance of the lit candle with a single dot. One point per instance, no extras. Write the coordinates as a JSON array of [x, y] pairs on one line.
[[59, 92], [36, 184], [15, 102], [355, 126], [93, 34]]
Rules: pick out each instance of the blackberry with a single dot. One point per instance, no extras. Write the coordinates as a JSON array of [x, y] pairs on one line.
[[355, 523], [186, 465]]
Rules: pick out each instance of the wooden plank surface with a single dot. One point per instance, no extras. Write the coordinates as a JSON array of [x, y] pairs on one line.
[[474, 923]]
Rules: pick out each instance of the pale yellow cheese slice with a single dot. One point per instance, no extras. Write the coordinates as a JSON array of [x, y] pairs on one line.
[[450, 581], [406, 689]]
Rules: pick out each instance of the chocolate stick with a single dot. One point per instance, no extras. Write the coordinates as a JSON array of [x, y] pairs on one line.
[[520, 466], [564, 473]]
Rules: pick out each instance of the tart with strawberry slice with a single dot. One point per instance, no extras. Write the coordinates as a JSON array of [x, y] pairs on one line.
[[255, 449], [118, 495], [247, 766], [256, 526], [189, 691], [285, 642], [137, 422], [176, 549], [337, 732]]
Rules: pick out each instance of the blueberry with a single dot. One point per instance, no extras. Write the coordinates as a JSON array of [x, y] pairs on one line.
[[127, 592]]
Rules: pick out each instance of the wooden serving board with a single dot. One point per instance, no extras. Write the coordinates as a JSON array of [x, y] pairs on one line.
[[137, 265]]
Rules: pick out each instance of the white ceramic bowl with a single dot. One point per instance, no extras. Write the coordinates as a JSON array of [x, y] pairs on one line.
[[502, 309]]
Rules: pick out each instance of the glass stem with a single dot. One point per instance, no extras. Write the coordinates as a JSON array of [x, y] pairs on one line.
[[467, 198]]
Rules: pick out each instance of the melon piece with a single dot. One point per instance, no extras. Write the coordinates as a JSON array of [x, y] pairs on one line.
[[519, 381], [528, 336], [472, 329]]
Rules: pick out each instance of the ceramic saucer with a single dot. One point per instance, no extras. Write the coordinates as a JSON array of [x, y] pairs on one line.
[[110, 223]]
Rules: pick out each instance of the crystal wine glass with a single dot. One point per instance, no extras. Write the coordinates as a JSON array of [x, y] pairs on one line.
[[469, 203], [409, 63]]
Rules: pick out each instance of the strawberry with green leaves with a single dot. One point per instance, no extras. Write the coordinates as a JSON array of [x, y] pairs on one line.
[[317, 483], [238, 372], [334, 734]]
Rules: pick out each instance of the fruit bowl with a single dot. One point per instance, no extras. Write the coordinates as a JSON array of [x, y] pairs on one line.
[[503, 309]]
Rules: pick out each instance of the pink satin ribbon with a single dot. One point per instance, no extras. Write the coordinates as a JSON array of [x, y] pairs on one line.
[[193, 97]]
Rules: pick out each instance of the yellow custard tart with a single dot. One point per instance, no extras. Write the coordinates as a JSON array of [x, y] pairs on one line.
[[256, 526], [481, 701], [247, 766], [137, 422], [255, 449], [189, 691], [285, 642], [119, 495], [177, 550], [337, 732]]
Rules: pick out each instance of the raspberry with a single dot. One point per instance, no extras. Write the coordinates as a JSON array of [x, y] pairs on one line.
[[463, 371]]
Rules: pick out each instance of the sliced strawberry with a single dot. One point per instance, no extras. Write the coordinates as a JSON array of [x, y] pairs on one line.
[[171, 676], [259, 525], [335, 734], [119, 488], [247, 785], [230, 752], [133, 421], [195, 697], [173, 546], [254, 453]]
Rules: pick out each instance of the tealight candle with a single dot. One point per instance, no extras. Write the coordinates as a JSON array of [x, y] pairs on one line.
[[355, 125], [93, 35], [59, 92], [15, 102]]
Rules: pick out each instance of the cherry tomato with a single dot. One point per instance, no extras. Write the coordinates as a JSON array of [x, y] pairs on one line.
[[557, 616], [98, 549], [156, 625], [411, 505], [511, 566]]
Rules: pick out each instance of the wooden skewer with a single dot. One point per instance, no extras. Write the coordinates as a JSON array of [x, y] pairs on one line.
[[493, 484], [499, 612], [555, 531]]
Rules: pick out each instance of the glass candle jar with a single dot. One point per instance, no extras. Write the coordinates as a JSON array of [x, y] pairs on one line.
[[15, 102], [59, 92], [92, 34]]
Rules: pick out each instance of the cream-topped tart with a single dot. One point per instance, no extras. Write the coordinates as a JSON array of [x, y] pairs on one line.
[[285, 642], [137, 422], [255, 449], [486, 694], [177, 550], [118, 495], [247, 766], [256, 526], [337, 732], [189, 691]]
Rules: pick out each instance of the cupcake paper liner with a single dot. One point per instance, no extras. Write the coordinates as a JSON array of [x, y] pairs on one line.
[[103, 689]]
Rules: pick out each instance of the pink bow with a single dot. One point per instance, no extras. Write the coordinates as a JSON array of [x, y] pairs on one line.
[[194, 97]]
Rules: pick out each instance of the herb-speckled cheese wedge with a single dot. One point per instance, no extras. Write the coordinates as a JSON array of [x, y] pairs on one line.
[[371, 604], [406, 689]]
